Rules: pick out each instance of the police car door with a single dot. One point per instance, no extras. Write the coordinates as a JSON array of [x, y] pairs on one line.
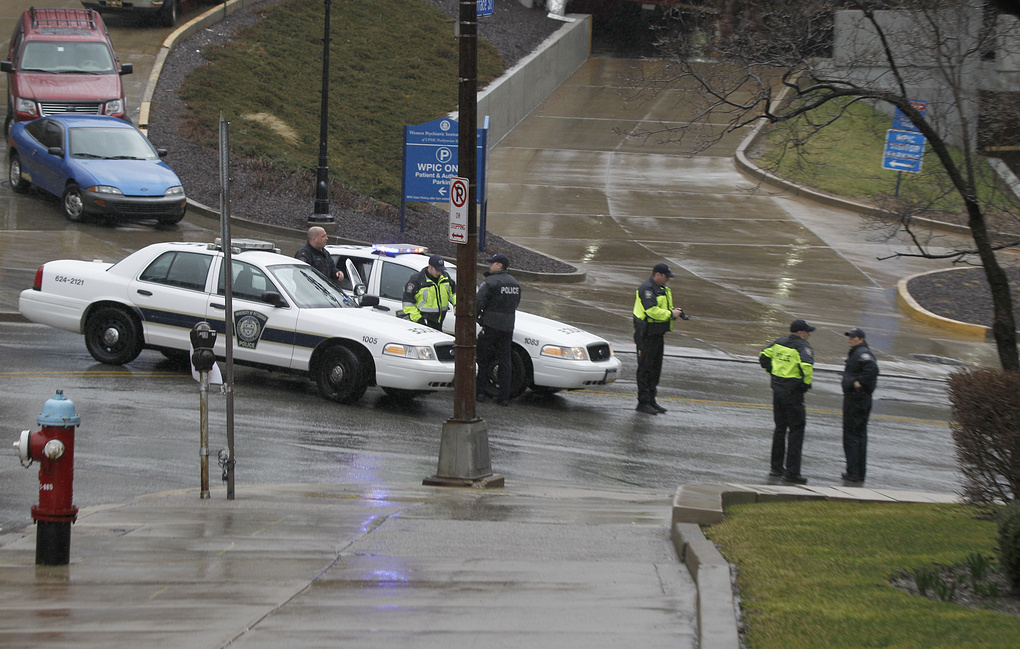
[[171, 296], [263, 331], [391, 278]]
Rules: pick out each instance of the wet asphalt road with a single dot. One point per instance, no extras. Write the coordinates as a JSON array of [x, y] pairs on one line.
[[140, 429]]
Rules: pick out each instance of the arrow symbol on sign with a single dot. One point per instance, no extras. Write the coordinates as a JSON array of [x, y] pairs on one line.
[[894, 163], [442, 191]]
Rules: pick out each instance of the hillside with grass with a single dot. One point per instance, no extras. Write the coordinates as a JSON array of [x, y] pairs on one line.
[[391, 64]]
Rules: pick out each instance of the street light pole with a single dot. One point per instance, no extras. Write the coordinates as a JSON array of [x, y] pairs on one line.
[[321, 214]]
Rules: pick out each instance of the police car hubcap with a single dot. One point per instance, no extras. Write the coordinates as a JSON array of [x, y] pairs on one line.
[[111, 336], [336, 375]]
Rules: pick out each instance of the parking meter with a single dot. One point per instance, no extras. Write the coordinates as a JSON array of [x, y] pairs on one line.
[[203, 339]]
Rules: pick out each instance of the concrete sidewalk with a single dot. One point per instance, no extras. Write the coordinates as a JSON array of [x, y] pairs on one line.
[[359, 566]]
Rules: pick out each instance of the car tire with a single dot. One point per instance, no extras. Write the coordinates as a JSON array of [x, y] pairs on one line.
[[520, 377], [340, 376], [113, 336], [73, 203], [168, 16], [18, 183]]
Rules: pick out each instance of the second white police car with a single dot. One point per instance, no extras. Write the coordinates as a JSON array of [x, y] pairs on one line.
[[285, 317], [547, 355]]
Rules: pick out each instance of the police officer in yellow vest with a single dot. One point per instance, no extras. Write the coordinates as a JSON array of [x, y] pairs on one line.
[[654, 313], [790, 363], [429, 294]]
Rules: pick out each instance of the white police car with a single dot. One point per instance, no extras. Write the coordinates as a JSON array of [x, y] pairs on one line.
[[286, 317], [547, 355]]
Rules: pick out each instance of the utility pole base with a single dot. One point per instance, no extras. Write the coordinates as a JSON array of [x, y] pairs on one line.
[[494, 481], [464, 457]]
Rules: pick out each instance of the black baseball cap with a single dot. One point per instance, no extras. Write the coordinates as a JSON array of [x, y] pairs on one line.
[[856, 332], [499, 258], [800, 325], [664, 269], [437, 262]]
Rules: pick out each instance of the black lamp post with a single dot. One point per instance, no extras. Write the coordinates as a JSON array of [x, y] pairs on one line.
[[321, 214]]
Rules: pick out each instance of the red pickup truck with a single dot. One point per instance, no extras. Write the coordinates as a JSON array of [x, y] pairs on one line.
[[62, 61]]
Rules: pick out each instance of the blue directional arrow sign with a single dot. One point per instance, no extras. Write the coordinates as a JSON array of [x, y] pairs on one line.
[[904, 151]]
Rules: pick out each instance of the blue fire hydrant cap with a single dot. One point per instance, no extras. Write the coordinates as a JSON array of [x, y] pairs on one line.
[[58, 411]]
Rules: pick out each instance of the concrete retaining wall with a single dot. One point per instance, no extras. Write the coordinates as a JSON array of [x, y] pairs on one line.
[[520, 90]]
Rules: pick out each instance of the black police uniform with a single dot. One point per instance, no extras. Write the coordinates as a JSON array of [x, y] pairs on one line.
[[862, 367], [320, 260], [496, 303]]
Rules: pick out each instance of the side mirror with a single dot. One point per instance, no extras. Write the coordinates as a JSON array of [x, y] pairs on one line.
[[127, 68], [55, 150], [161, 152], [369, 300], [6, 66], [273, 298], [360, 289]]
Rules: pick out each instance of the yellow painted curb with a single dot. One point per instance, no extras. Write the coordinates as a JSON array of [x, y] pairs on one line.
[[918, 312]]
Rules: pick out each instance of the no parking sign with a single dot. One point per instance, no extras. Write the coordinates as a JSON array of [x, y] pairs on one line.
[[458, 209]]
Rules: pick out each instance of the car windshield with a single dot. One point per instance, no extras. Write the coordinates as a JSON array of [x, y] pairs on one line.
[[110, 144], [67, 58], [309, 289]]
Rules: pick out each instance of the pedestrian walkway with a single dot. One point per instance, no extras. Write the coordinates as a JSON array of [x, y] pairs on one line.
[[357, 566]]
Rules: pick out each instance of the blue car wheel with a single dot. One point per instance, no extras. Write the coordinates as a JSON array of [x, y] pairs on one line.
[[18, 183], [74, 205]]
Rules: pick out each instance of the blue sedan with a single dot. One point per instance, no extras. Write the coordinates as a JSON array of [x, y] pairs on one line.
[[96, 165]]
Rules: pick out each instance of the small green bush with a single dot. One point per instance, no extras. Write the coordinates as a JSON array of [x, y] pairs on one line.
[[985, 422], [1009, 544]]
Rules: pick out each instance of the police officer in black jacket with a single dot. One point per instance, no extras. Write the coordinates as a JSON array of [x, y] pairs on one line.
[[496, 303], [860, 375], [314, 254]]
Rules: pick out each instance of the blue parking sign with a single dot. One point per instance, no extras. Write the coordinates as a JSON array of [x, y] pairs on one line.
[[485, 7]]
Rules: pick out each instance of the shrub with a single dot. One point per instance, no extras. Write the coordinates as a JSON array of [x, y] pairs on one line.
[[985, 421], [1009, 544]]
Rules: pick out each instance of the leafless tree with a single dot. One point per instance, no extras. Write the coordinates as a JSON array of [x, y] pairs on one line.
[[809, 61]]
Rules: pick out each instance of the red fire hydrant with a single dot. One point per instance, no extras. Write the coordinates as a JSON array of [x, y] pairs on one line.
[[53, 448]]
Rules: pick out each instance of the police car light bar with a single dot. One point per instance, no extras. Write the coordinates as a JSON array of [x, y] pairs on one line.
[[394, 249], [240, 245]]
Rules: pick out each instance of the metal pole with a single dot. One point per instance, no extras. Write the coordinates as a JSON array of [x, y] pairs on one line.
[[228, 295], [321, 214], [203, 426]]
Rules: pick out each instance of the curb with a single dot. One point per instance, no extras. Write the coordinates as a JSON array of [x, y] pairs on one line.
[[696, 505], [918, 312]]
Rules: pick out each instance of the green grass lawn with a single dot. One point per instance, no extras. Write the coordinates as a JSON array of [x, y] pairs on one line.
[[392, 64], [816, 575], [845, 159]]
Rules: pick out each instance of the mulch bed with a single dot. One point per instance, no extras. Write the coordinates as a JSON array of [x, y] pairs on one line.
[[962, 294]]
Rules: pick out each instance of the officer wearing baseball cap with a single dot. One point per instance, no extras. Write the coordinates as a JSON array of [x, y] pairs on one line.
[[654, 313], [496, 303], [790, 364], [429, 294], [860, 375]]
